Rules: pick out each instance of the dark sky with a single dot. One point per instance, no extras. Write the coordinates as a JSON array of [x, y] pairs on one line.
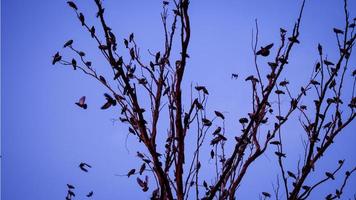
[[45, 135]]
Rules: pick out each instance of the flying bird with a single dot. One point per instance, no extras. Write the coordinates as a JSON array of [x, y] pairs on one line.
[[265, 51], [84, 166], [90, 194], [234, 76], [109, 102], [81, 103]]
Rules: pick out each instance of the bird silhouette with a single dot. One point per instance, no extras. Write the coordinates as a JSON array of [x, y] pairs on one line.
[[266, 194], [71, 187], [90, 194], [72, 5], [92, 31], [68, 43], [56, 58], [338, 31], [265, 51], [109, 102], [234, 76], [219, 114], [81, 18], [202, 88], [131, 172], [74, 64], [81, 103], [83, 166]]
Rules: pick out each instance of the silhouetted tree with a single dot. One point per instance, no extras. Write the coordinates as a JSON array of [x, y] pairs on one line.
[[160, 81]]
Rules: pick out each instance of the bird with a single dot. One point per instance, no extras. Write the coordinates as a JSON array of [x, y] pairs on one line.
[[83, 166], [70, 186], [90, 194], [72, 5], [81, 18], [81, 103], [56, 58], [338, 31], [265, 51], [202, 88], [74, 64], [219, 114], [131, 172], [109, 102], [234, 76], [68, 43]]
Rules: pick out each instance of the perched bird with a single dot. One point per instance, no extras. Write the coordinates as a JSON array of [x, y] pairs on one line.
[[202, 88], [82, 103], [56, 58], [81, 18], [217, 130], [68, 43], [71, 187], [142, 168], [219, 114], [72, 5], [74, 64], [131, 172], [84, 166], [326, 62], [92, 31], [90, 194], [265, 51], [338, 31], [266, 194]]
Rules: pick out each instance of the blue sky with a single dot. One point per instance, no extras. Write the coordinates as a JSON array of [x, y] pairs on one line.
[[44, 136]]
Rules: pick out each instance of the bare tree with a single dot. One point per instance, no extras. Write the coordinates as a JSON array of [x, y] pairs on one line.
[[134, 80]]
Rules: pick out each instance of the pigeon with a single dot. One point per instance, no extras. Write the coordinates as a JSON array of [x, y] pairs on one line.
[[82, 103], [83, 166]]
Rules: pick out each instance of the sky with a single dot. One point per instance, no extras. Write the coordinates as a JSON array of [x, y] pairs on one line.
[[44, 135]]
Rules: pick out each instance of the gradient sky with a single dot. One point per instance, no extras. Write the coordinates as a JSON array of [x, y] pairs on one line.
[[44, 136]]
